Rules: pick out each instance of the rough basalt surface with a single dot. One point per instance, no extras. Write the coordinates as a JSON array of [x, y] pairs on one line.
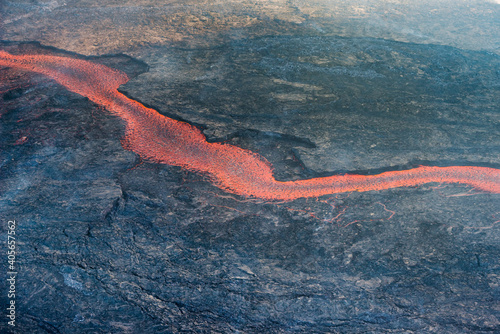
[[108, 243]]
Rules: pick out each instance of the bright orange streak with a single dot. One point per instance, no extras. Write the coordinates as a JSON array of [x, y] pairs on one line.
[[161, 139]]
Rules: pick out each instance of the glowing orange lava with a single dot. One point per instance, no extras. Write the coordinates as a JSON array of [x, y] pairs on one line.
[[161, 139]]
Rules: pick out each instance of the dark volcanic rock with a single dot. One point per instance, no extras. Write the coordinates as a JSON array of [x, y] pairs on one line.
[[364, 103], [110, 244]]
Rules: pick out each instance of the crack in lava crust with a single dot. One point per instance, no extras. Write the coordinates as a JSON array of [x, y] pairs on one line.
[[163, 140]]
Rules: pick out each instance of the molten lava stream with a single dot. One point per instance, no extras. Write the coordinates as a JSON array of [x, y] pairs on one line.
[[161, 139]]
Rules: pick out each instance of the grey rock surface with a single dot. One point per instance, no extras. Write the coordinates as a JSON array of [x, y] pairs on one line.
[[112, 244]]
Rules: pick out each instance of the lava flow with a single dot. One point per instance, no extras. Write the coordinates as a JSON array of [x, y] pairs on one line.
[[160, 139]]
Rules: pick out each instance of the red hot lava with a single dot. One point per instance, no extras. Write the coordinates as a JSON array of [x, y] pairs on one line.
[[164, 140]]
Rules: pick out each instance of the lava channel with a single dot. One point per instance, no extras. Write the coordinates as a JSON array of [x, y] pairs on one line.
[[160, 139]]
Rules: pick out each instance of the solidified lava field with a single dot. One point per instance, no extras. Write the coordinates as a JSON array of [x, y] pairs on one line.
[[260, 179]]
